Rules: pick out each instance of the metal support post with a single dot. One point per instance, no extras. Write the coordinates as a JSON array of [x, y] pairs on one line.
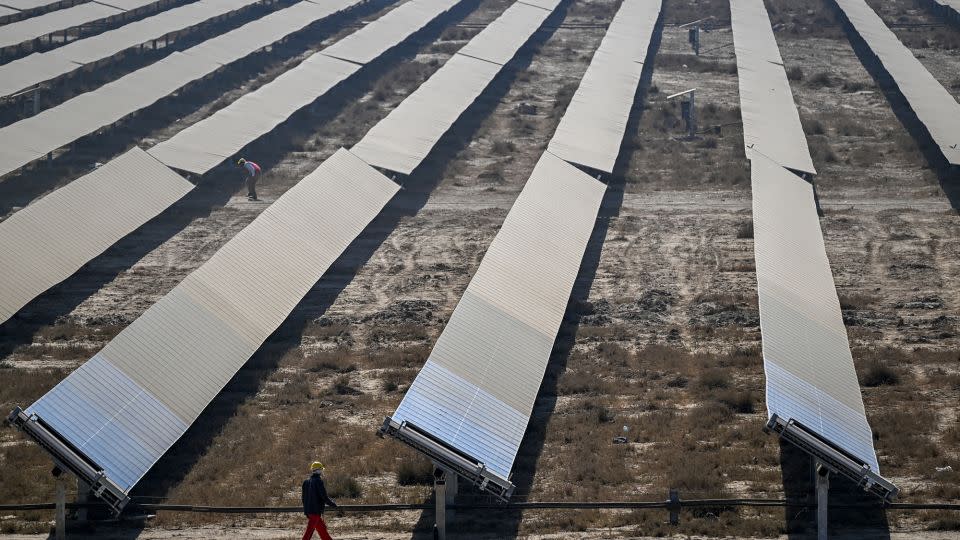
[[84, 495], [61, 512], [36, 100], [440, 499], [822, 474], [674, 507]]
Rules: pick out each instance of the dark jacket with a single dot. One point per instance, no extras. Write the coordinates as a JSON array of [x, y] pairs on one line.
[[314, 495]]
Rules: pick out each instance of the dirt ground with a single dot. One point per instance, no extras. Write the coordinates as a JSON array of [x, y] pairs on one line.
[[662, 333]]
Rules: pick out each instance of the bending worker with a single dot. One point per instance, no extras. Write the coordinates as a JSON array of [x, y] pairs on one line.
[[252, 172], [314, 497]]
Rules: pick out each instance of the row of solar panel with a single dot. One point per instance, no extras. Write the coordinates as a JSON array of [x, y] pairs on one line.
[[477, 390], [811, 379], [164, 368]]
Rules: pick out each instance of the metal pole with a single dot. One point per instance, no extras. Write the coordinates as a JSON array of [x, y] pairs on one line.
[[693, 115], [674, 507], [61, 512], [36, 100], [823, 496], [440, 499]]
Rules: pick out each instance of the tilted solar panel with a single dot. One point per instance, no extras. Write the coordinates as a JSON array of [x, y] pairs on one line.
[[477, 389], [771, 123], [46, 242], [54, 21], [936, 109], [401, 141], [811, 379], [388, 31], [34, 137], [591, 130], [124, 408]]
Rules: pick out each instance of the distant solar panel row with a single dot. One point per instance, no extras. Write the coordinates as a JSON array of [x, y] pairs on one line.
[[592, 128], [470, 405], [43, 66], [125, 407], [771, 123], [209, 142], [25, 5], [402, 140], [935, 108], [952, 6], [34, 137], [49, 240], [63, 19]]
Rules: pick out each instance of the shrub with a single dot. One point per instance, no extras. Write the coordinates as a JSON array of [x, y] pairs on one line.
[[745, 230], [878, 374], [795, 73], [739, 402], [821, 79], [714, 379], [415, 472], [343, 486], [504, 147]]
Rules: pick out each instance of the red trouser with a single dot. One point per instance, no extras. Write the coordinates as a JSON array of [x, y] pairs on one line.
[[315, 523]]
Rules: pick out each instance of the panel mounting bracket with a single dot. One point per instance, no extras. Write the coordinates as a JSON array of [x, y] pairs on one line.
[[833, 458], [69, 457], [448, 457]]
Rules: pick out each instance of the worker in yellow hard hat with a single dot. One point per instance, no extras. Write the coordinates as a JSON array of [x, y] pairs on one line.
[[314, 497]]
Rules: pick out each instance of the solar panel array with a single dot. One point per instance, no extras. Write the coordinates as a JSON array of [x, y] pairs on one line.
[[475, 394], [63, 19], [206, 144], [951, 6], [810, 374], [593, 125], [46, 242], [34, 137], [43, 66], [26, 5], [771, 123], [128, 404], [402, 140], [933, 105]]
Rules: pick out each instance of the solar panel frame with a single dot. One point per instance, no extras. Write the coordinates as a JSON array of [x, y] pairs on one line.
[[126, 406], [26, 5], [49, 240], [932, 104], [591, 130], [809, 367], [771, 121]]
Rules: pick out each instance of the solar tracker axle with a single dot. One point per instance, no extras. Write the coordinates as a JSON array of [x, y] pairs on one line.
[[70, 458], [834, 459], [448, 457]]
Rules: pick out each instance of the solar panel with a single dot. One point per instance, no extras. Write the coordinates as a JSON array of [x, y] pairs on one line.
[[477, 389], [33, 137], [935, 108], [591, 130], [402, 140], [209, 142], [811, 380], [771, 123], [42, 66], [24, 5], [126, 406], [388, 31], [55, 21], [46, 242], [6, 12]]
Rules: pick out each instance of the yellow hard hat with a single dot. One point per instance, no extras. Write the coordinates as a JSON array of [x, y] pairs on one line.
[[241, 161], [317, 466]]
